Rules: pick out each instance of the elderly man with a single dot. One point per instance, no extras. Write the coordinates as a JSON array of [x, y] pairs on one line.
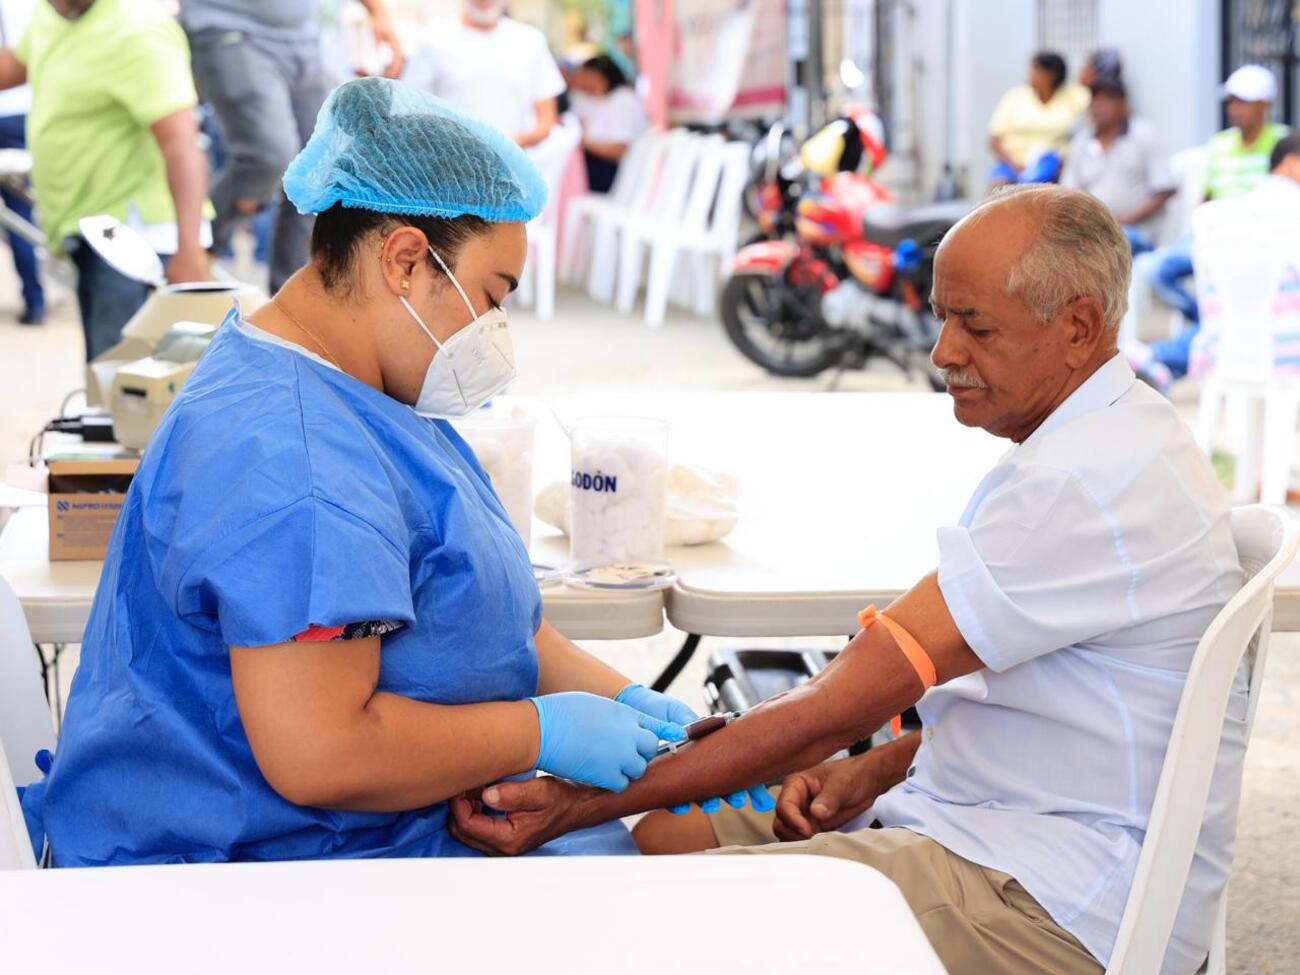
[[1057, 632]]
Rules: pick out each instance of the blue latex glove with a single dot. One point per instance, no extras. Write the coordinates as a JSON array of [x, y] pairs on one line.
[[757, 795], [597, 741], [655, 704], [671, 709]]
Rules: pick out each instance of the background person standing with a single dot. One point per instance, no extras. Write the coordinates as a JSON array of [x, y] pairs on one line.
[[112, 131], [260, 65], [14, 105], [493, 68]]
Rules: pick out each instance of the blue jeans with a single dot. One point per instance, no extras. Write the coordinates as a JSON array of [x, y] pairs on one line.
[[13, 136], [107, 299], [1174, 266], [1139, 241]]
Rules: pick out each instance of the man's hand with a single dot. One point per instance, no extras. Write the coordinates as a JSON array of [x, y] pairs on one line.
[[188, 264], [385, 34], [826, 797], [537, 811]]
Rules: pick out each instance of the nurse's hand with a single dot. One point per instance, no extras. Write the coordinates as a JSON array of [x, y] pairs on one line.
[[536, 812], [597, 741], [655, 704]]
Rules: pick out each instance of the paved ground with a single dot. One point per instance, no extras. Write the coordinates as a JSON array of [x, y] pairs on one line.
[[591, 347]]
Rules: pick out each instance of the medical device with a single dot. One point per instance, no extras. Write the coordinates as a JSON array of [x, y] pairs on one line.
[[197, 305], [142, 390], [699, 729]]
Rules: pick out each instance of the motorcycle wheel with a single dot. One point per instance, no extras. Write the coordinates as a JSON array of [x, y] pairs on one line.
[[777, 326]]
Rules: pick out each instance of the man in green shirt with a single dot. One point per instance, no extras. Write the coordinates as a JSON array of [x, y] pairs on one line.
[[1236, 159], [112, 130]]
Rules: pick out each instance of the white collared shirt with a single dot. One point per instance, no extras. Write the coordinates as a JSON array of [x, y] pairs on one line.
[[1083, 573]]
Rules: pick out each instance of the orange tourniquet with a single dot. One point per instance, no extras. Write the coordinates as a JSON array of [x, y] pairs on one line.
[[913, 651]]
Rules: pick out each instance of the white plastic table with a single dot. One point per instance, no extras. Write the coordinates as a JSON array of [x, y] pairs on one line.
[[651, 916], [840, 498], [56, 596]]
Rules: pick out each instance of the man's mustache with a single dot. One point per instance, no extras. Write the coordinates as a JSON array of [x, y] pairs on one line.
[[961, 379]]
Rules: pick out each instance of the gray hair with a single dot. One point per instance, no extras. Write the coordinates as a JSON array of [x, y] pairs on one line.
[[1079, 251]]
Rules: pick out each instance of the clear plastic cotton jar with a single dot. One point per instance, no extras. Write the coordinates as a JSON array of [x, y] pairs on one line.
[[619, 503], [502, 440]]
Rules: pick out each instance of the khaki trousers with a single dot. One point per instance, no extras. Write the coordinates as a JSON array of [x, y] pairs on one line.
[[979, 921]]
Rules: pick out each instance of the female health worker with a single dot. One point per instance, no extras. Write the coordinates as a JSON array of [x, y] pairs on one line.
[[315, 623]]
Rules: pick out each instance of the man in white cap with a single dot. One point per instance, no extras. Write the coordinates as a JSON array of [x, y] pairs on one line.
[[1237, 159]]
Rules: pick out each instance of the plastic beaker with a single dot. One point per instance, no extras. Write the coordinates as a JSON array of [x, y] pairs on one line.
[[619, 503], [502, 440]]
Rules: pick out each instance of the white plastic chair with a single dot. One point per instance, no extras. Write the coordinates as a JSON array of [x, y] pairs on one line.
[[633, 180], [15, 847], [660, 228], [666, 200], [1267, 540], [552, 157], [1243, 257], [26, 725], [1189, 167], [708, 231]]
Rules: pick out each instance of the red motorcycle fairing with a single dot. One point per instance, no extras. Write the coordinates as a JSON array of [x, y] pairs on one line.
[[774, 257], [872, 264], [764, 257]]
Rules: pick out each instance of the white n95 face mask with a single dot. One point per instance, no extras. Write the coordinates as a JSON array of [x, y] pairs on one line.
[[470, 367]]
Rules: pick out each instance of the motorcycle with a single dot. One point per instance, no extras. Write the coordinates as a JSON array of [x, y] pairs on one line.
[[847, 282]]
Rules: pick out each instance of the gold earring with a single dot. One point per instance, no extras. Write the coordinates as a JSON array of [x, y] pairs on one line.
[[406, 285]]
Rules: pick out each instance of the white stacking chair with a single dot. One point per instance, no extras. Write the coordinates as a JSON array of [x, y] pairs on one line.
[[708, 232], [665, 198], [688, 210], [552, 157], [26, 727], [633, 181], [1267, 540], [1189, 167], [15, 847], [1242, 262]]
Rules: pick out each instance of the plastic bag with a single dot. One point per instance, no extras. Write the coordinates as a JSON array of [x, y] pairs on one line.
[[702, 505]]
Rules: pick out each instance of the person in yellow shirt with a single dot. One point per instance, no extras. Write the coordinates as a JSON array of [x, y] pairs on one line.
[[1035, 119], [112, 130]]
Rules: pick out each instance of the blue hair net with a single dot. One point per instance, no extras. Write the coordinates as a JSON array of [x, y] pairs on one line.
[[387, 146]]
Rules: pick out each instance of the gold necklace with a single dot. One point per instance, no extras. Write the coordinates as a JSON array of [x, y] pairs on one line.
[[305, 330]]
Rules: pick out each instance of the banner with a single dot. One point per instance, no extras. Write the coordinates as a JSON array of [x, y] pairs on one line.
[[728, 60]]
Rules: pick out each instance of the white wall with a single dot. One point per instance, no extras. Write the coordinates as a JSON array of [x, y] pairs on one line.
[[1171, 63]]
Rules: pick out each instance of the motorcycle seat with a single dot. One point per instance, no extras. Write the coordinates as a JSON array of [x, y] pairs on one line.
[[888, 224]]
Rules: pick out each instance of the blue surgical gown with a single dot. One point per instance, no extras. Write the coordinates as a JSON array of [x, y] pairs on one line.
[[280, 494]]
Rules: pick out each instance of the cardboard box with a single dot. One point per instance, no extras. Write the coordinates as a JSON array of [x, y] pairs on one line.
[[85, 498]]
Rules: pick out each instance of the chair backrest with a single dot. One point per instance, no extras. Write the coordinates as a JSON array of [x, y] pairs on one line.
[[26, 725], [652, 171], [667, 197], [551, 156], [1247, 258], [632, 167], [703, 184], [1267, 540], [725, 222], [15, 845], [1190, 167]]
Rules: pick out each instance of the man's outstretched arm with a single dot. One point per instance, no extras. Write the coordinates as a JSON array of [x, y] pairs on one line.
[[869, 682]]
